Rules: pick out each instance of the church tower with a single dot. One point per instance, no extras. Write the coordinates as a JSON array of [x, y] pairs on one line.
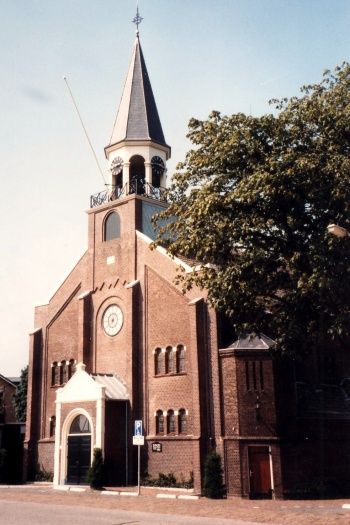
[[137, 151]]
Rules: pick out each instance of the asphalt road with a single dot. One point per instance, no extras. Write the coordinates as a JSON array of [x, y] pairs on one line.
[[28, 513]]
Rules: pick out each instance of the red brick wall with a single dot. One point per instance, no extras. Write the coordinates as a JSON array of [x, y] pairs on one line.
[[179, 456], [46, 448]]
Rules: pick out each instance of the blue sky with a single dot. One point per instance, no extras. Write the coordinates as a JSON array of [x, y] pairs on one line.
[[228, 55]]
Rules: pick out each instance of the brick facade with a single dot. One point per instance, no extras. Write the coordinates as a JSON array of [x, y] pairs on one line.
[[210, 390], [167, 353]]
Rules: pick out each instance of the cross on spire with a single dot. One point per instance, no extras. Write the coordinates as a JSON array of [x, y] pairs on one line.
[[137, 20]]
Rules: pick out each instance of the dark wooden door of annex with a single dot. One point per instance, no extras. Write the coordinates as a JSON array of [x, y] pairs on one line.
[[79, 459], [259, 472]]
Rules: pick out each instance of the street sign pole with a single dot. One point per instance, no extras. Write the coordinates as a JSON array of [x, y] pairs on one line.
[[139, 440], [138, 469]]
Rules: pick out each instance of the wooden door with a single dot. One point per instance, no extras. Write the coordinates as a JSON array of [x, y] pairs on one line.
[[79, 459], [259, 472]]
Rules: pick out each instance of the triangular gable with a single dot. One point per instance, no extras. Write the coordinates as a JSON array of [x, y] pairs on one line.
[[80, 387]]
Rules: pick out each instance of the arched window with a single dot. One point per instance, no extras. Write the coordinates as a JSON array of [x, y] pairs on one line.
[[117, 177], [158, 361], [170, 422], [64, 371], [52, 425], [71, 368], [180, 359], [169, 360], [182, 421], [80, 425], [158, 169], [53, 373], [137, 175], [112, 227], [159, 422]]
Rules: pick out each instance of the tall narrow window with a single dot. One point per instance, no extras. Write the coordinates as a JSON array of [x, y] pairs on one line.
[[247, 380], [261, 370], [64, 367], [137, 175], [180, 359], [159, 422], [182, 421], [117, 174], [111, 227], [72, 368], [254, 374], [158, 169], [158, 361], [52, 425], [53, 373], [170, 422], [169, 360]]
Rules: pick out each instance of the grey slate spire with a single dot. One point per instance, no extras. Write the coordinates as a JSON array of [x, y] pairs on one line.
[[137, 117]]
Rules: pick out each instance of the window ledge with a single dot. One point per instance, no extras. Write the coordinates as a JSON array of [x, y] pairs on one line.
[[170, 374]]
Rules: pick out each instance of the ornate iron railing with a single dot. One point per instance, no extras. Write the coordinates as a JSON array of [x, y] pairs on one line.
[[138, 187]]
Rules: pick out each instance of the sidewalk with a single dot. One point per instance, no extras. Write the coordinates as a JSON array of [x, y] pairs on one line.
[[319, 512]]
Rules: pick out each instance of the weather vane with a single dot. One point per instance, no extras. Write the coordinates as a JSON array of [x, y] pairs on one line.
[[137, 19]]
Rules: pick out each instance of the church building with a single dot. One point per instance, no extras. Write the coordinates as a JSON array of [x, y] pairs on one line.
[[119, 342]]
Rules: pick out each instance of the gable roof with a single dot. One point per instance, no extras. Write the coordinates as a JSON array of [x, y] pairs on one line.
[[253, 342], [13, 381], [137, 117], [115, 389]]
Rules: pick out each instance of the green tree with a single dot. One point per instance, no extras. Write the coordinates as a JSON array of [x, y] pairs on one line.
[[213, 486], [20, 397], [96, 471], [252, 202]]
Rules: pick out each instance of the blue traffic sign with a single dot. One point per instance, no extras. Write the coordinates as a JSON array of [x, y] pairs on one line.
[[138, 428]]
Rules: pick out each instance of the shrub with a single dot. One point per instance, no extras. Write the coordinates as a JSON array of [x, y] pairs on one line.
[[96, 471], [213, 486], [43, 475], [167, 480]]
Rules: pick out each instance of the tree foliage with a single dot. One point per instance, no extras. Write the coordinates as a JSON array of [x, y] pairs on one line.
[[20, 397], [252, 202], [213, 486], [96, 472]]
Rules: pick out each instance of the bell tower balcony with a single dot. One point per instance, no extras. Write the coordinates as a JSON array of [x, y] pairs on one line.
[[134, 187]]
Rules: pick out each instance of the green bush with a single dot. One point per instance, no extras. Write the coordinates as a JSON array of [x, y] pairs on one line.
[[43, 475], [167, 480], [95, 475], [213, 486]]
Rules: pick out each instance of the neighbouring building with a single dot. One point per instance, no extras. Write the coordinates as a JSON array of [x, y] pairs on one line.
[[11, 433], [119, 342]]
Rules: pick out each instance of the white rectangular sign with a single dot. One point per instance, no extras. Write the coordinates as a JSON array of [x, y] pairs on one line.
[[138, 440]]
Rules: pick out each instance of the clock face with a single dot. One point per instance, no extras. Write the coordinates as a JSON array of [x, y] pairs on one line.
[[112, 320]]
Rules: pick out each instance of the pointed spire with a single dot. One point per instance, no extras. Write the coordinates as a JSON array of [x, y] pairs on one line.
[[137, 117]]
